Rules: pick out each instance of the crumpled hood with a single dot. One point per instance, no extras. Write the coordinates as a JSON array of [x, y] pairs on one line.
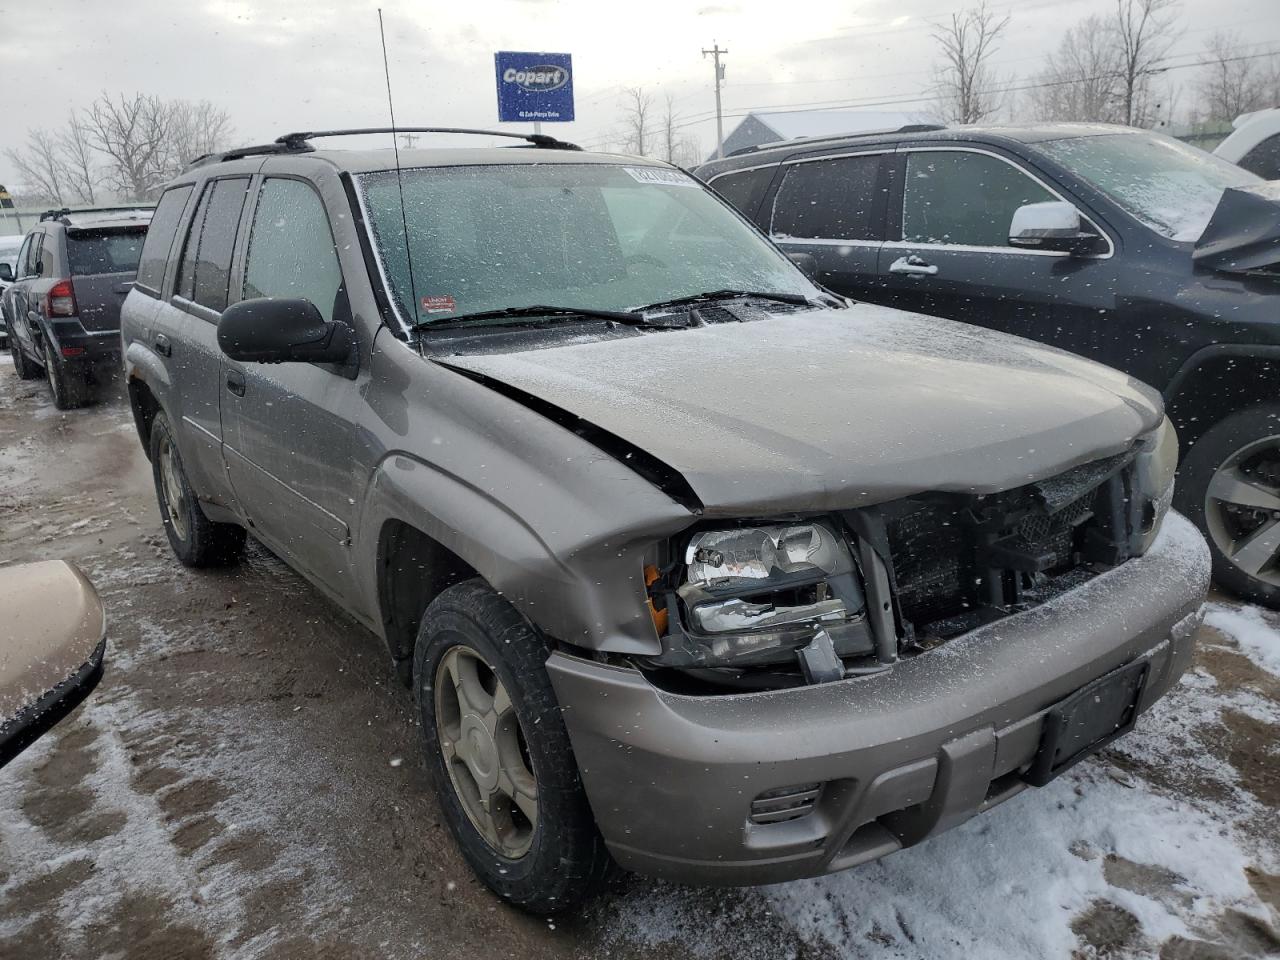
[[1243, 235], [833, 409]]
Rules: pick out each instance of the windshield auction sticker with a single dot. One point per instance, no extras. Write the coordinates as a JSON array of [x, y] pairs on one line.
[[661, 176], [445, 304]]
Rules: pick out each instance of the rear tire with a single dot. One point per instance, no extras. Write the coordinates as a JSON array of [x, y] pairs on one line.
[[196, 540], [24, 368], [69, 385], [1229, 486], [560, 859]]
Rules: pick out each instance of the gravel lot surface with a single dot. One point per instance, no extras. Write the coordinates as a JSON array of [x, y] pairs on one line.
[[246, 782]]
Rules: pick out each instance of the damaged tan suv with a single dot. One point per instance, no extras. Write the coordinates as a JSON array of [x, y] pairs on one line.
[[692, 566]]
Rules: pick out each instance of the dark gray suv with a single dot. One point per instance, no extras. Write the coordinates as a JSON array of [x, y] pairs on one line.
[[691, 566], [63, 307]]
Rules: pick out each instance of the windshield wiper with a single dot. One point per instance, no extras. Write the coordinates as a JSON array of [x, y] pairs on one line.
[[535, 310], [799, 299]]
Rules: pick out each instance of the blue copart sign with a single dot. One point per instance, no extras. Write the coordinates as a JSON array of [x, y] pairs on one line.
[[534, 86]]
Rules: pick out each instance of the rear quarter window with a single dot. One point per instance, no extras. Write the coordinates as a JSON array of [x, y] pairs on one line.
[[104, 251], [745, 189], [164, 225], [1264, 158]]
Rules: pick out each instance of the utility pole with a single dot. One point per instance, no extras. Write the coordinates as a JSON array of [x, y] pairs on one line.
[[716, 52], [409, 140]]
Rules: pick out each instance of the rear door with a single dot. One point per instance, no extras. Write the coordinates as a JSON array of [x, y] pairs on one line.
[[289, 426], [185, 332], [948, 250], [103, 264], [832, 207]]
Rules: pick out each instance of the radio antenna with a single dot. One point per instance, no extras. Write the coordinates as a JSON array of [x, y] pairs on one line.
[[404, 219]]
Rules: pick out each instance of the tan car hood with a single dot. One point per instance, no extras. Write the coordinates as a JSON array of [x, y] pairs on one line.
[[51, 622], [836, 408]]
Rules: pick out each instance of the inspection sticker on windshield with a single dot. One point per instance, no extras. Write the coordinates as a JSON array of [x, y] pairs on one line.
[[658, 175], [445, 304]]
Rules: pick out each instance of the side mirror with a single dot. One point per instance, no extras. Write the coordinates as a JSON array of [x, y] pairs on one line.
[[6, 273], [1052, 225], [269, 330], [807, 263]]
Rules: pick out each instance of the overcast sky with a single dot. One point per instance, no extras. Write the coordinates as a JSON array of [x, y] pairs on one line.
[[279, 65]]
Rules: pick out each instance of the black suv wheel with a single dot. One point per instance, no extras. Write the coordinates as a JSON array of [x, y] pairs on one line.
[[1229, 486], [499, 753], [68, 384]]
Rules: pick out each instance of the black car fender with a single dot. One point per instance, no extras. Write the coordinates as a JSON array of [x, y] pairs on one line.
[[1217, 380]]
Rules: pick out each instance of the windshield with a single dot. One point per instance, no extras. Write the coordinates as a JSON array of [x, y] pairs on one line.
[[606, 236], [1169, 186]]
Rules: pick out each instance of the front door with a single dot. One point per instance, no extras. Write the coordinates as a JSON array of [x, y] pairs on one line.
[[949, 253], [288, 434]]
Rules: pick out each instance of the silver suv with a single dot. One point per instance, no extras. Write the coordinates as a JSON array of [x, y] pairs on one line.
[[691, 566]]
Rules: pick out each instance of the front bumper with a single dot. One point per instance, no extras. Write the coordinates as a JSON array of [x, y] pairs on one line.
[[901, 755]]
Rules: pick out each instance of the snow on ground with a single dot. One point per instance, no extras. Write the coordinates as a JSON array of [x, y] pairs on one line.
[[1259, 640]]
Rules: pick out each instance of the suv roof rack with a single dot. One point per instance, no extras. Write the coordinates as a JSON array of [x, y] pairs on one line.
[[296, 140], [65, 213], [906, 128], [300, 142]]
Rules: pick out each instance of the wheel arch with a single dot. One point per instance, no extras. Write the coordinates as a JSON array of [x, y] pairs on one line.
[[149, 389], [1218, 381]]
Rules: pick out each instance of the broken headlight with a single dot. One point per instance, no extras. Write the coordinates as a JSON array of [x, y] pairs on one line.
[[755, 594], [1154, 470]]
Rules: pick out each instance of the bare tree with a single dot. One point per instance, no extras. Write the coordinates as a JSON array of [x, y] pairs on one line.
[[637, 109], [677, 148], [38, 166], [1081, 79], [965, 80], [195, 128], [132, 131], [1229, 85], [75, 157], [1145, 30]]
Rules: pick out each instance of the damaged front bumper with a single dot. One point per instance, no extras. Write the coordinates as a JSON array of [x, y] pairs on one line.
[[763, 787]]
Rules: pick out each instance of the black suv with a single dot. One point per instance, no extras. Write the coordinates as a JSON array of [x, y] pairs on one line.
[[1119, 244], [63, 307]]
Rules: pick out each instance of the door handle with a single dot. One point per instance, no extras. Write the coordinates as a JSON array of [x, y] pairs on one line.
[[163, 346], [913, 266], [235, 382]]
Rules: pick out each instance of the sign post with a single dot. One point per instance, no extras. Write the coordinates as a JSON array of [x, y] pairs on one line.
[[534, 87], [6, 204]]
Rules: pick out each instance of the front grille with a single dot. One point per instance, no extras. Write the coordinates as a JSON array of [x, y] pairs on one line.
[[958, 561]]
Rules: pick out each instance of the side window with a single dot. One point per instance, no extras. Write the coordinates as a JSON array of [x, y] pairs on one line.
[[746, 189], [186, 282], [1264, 158], [41, 260], [828, 199], [217, 238], [164, 225], [958, 197], [291, 251], [24, 257]]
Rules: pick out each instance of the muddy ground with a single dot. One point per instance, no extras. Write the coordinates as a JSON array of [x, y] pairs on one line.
[[246, 782]]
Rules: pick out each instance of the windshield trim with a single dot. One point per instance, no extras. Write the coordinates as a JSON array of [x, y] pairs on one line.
[[406, 330]]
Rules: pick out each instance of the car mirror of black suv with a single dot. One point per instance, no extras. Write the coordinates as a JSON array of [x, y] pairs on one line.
[[1052, 225], [270, 330], [6, 273]]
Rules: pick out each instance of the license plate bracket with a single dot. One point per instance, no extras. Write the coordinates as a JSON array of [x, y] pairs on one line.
[[1087, 721]]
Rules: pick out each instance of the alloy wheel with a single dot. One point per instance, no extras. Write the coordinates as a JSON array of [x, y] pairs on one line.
[[1242, 509], [485, 752]]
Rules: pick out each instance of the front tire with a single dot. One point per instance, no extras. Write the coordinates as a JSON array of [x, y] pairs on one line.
[[196, 540], [69, 386], [499, 753], [1229, 486]]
